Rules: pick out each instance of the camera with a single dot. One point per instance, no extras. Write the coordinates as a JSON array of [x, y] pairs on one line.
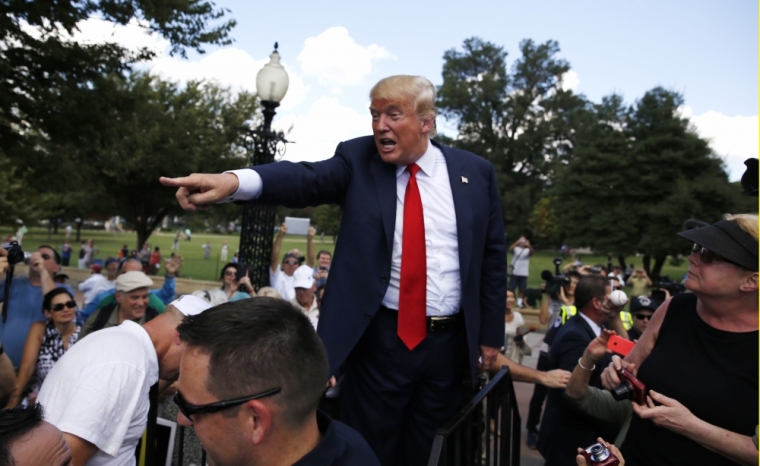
[[599, 455], [665, 283], [631, 388], [242, 270], [15, 253], [554, 282]]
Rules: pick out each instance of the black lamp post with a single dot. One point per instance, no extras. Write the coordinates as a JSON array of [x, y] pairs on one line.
[[263, 144]]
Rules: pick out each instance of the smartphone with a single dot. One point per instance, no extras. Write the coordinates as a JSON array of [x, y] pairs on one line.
[[619, 345]]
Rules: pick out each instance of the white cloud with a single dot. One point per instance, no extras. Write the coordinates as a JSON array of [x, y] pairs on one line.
[[318, 132], [570, 81], [133, 36], [333, 57], [735, 138]]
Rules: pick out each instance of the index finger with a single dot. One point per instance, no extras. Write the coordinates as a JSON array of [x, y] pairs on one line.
[[180, 181]]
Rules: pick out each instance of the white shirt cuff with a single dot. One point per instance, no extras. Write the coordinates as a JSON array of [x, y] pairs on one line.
[[249, 185]]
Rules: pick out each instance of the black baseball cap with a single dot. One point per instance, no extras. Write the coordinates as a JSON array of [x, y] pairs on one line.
[[644, 302], [727, 239]]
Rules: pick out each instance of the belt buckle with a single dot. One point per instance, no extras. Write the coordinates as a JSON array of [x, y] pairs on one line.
[[434, 321]]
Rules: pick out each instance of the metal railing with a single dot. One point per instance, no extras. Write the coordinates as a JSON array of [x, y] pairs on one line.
[[485, 432]]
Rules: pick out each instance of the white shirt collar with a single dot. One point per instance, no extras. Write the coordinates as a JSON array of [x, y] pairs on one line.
[[426, 162], [594, 327]]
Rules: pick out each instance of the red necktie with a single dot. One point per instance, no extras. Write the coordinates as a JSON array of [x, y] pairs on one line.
[[413, 287]]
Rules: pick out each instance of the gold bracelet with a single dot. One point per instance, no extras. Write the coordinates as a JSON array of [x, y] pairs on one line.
[[585, 368]]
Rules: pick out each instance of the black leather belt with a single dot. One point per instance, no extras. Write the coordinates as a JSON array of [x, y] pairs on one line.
[[434, 323]]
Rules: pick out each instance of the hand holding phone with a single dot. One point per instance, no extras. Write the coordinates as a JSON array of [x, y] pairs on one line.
[[619, 345]]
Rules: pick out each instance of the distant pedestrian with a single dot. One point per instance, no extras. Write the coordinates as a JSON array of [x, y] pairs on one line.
[[65, 253], [188, 234], [225, 251], [68, 231], [207, 250], [175, 244], [22, 230], [155, 261], [236, 258], [124, 252]]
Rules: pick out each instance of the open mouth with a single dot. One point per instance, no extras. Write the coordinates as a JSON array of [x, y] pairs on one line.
[[387, 144]]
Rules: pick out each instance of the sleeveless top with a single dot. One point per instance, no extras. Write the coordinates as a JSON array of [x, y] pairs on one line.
[[51, 350], [711, 372]]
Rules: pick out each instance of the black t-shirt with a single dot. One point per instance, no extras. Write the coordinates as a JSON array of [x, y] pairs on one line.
[[711, 372], [340, 446]]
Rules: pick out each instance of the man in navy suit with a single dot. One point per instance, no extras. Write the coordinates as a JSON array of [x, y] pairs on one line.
[[564, 429], [397, 390]]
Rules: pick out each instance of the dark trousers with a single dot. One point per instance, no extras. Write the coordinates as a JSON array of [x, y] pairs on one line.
[[396, 398], [539, 396]]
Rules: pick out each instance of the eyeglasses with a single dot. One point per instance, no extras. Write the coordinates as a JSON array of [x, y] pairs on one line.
[[229, 272], [188, 410], [292, 262], [706, 256], [643, 316], [60, 306]]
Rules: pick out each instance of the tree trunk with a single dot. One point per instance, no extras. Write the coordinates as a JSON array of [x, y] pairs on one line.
[[55, 226], [658, 263], [79, 230], [621, 262], [144, 227]]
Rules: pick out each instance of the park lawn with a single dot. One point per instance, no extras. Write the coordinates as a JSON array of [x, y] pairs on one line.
[[194, 266]]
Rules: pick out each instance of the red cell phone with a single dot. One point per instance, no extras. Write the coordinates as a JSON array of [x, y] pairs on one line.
[[619, 345]]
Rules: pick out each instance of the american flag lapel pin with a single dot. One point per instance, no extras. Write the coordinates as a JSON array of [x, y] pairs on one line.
[[465, 180]]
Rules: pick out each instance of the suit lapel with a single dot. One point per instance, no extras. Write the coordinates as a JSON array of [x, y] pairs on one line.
[[462, 194], [384, 175]]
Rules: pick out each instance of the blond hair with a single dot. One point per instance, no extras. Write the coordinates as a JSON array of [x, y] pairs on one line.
[[747, 222], [268, 291], [400, 87]]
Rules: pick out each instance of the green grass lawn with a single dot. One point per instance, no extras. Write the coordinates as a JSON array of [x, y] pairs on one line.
[[193, 266], [196, 267]]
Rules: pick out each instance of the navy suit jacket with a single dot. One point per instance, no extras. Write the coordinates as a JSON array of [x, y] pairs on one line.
[[563, 428], [364, 186]]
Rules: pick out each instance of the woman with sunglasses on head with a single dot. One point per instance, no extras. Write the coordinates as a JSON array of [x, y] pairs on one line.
[[699, 358], [47, 341]]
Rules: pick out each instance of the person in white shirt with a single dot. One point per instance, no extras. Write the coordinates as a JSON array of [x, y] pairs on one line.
[[281, 277], [521, 251], [97, 393], [92, 283]]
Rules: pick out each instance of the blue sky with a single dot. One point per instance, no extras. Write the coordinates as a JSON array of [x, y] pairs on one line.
[[336, 50]]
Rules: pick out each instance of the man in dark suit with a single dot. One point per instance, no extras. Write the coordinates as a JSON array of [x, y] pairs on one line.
[[564, 429], [407, 325]]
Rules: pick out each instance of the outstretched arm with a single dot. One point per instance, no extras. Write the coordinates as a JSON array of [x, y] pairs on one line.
[[553, 379], [274, 261], [310, 257]]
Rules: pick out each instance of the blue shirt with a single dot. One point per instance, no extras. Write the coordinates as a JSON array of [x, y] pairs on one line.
[[340, 445], [24, 309]]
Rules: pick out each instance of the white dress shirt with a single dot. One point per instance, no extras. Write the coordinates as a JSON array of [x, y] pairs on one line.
[[441, 245], [594, 327]]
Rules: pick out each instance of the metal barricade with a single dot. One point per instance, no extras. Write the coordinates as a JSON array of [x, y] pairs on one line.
[[485, 432]]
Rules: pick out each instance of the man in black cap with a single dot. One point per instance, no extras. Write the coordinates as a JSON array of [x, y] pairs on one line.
[[642, 308]]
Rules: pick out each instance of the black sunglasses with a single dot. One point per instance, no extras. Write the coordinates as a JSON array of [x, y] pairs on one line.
[[707, 256], [643, 316], [291, 262], [60, 306], [229, 272], [188, 410]]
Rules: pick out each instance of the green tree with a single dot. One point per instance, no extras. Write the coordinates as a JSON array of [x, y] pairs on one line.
[[521, 120], [327, 218], [637, 174], [136, 130]]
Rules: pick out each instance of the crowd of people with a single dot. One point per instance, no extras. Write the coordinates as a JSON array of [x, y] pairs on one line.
[[396, 326]]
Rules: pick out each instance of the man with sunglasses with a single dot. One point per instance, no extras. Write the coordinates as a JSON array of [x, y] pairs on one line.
[[25, 300], [282, 278], [250, 381], [97, 393], [642, 309]]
